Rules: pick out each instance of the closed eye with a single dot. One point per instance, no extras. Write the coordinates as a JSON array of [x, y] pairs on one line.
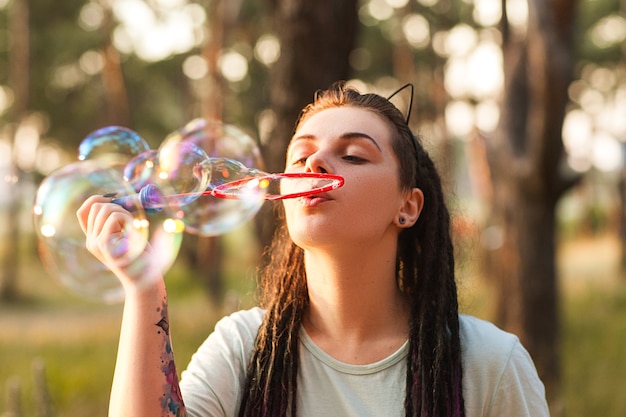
[[299, 161], [355, 159]]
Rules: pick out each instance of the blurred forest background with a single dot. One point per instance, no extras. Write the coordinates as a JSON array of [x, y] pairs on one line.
[[522, 103]]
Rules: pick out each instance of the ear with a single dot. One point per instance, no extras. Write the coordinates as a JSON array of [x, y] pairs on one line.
[[410, 209]]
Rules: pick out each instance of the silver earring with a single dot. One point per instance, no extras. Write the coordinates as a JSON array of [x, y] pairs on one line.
[[401, 220]]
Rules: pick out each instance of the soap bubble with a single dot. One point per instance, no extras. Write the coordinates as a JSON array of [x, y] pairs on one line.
[[62, 242], [233, 155], [220, 140], [212, 216], [182, 168], [205, 179], [115, 145]]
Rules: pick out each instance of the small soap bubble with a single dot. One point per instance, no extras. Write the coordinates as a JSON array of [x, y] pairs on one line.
[[212, 216], [141, 169]]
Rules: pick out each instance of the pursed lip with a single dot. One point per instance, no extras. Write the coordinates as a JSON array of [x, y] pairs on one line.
[[314, 200]]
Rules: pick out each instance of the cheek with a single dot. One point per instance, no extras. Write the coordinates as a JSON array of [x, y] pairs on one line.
[[377, 189]]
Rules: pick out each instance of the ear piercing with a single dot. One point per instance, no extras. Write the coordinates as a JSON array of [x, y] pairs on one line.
[[401, 220]]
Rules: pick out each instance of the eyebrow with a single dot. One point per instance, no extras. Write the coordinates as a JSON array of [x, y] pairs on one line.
[[346, 136]]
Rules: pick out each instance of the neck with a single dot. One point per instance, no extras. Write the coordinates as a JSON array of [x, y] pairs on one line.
[[357, 313]]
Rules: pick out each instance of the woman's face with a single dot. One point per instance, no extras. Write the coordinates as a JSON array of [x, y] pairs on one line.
[[356, 144]]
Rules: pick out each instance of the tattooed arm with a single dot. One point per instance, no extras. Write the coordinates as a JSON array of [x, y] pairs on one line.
[[145, 382]]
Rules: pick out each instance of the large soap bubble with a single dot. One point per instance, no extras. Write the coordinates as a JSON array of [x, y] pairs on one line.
[[62, 242]]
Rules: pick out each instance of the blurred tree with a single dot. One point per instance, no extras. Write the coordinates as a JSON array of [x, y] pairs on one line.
[[116, 106], [528, 178], [205, 253], [18, 81]]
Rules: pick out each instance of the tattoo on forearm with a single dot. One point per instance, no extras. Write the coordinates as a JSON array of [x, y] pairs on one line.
[[172, 401]]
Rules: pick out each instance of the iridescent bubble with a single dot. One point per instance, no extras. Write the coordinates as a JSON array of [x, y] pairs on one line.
[[180, 167], [205, 179], [220, 140], [185, 168], [112, 143], [232, 154], [212, 216], [139, 171], [62, 242]]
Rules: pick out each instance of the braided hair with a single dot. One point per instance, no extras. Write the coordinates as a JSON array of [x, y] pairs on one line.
[[424, 271]]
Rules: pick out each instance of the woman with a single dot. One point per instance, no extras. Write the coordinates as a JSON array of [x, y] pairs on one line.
[[358, 312]]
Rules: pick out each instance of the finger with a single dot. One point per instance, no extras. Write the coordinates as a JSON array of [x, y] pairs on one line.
[[83, 212], [103, 213], [107, 236]]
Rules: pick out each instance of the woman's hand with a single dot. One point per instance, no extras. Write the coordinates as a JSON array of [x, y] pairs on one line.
[[112, 238]]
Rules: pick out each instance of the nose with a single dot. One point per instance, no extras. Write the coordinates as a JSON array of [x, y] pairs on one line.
[[316, 163]]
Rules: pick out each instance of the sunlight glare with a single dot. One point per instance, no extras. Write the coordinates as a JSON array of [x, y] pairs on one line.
[[461, 40], [267, 49], [592, 101], [49, 157], [608, 31], [154, 34], [454, 77], [6, 98], [195, 67], [379, 9], [397, 4], [607, 152], [517, 13], [577, 134], [26, 142], [602, 79], [91, 16], [416, 30], [459, 117], [487, 115], [484, 70], [233, 65], [487, 12], [91, 62]]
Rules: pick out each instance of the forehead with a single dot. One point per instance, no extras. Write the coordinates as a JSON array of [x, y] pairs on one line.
[[336, 121]]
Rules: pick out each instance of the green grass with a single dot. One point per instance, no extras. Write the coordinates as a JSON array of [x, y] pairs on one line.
[[594, 353], [77, 339]]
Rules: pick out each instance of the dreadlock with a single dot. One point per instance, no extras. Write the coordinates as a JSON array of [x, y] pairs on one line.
[[424, 270]]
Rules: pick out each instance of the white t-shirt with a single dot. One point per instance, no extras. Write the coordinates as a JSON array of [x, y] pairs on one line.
[[499, 377]]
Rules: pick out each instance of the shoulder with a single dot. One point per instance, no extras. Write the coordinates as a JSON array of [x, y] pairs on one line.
[[232, 339], [243, 321], [482, 339], [213, 380], [499, 375], [235, 334]]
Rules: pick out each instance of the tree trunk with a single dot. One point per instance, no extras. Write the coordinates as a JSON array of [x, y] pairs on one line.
[[526, 160], [208, 250], [117, 111], [316, 38], [19, 82]]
